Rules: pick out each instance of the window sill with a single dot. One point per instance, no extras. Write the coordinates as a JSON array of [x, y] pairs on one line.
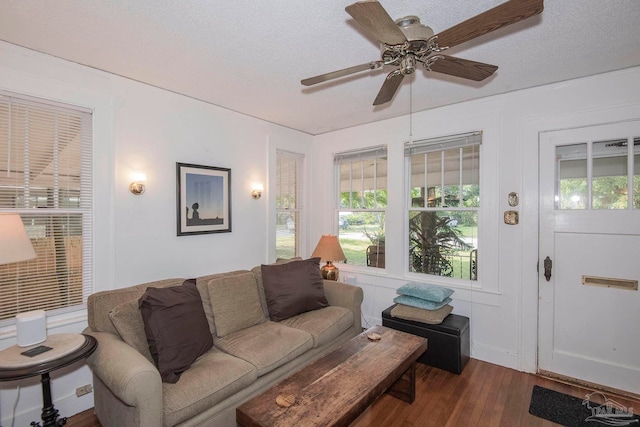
[[67, 320], [358, 275]]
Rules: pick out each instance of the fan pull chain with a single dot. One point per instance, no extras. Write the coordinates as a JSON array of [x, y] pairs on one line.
[[411, 111]]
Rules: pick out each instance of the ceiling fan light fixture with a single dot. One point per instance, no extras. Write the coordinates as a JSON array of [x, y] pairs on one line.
[[408, 64], [413, 29]]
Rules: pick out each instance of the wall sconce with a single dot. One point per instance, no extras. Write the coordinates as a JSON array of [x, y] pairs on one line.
[[137, 186], [256, 190]]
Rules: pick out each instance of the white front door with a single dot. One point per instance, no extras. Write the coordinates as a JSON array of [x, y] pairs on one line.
[[589, 311]]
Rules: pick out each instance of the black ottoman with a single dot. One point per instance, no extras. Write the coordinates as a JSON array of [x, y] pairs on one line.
[[449, 345]]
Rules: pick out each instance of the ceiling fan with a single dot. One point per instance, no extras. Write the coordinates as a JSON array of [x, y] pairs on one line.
[[406, 43]]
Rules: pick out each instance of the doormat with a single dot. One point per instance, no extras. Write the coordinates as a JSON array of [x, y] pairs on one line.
[[594, 410]]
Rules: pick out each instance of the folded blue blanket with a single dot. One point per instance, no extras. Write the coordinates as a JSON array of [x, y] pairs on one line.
[[434, 293], [420, 303]]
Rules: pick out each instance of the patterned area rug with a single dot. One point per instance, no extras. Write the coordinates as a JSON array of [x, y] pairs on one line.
[[592, 411]]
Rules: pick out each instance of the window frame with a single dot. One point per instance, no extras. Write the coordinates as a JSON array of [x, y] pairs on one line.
[[441, 145], [55, 205], [299, 209], [351, 157]]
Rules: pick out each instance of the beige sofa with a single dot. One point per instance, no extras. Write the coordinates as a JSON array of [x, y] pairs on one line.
[[128, 389]]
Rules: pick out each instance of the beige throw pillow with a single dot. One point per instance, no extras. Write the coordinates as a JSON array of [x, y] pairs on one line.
[[127, 320], [235, 303]]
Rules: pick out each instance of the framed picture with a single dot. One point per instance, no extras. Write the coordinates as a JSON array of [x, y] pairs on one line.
[[203, 199]]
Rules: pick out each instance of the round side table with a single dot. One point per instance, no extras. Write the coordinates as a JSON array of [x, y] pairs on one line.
[[65, 349]]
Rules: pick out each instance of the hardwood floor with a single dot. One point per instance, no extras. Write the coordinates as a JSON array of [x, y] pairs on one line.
[[483, 395]]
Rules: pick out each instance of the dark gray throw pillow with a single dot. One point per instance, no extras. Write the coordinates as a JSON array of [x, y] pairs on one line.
[[293, 288], [176, 328]]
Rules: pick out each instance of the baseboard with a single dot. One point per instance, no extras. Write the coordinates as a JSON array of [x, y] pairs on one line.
[[495, 355]]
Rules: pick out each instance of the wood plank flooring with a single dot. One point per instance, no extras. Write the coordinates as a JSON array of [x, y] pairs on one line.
[[483, 395]]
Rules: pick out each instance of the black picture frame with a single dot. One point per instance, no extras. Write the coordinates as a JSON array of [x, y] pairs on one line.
[[203, 199]]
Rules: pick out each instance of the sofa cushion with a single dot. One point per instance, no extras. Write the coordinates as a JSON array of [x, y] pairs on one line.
[[210, 379], [324, 325], [176, 328], [293, 288], [235, 303], [267, 345]]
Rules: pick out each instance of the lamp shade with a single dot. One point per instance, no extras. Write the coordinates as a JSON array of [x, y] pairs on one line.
[[15, 245], [329, 249]]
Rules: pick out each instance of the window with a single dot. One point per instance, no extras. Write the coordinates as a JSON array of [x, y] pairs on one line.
[[45, 176], [444, 195], [362, 203], [597, 175], [289, 203]]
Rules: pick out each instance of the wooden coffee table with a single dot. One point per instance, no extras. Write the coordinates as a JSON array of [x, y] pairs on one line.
[[334, 390]]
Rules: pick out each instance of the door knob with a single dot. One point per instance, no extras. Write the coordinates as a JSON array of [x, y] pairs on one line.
[[547, 268]]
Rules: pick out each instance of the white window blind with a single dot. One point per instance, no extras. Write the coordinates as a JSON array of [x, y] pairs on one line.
[[289, 180], [289, 203], [362, 178], [442, 143], [45, 176]]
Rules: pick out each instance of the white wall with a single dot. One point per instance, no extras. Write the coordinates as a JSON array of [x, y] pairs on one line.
[[139, 128], [503, 312]]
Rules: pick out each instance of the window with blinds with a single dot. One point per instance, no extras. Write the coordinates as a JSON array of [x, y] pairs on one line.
[[289, 203], [362, 202], [45, 176], [444, 194]]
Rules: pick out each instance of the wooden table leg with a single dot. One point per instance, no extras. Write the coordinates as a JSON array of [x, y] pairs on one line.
[[405, 387]]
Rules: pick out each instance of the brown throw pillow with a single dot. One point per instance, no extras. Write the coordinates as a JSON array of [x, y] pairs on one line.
[[293, 288], [176, 328]]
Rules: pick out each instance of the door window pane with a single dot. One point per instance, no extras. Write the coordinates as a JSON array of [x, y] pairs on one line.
[[609, 184], [572, 189]]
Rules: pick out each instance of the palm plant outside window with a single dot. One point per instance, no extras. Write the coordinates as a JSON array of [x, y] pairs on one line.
[[362, 203], [444, 200]]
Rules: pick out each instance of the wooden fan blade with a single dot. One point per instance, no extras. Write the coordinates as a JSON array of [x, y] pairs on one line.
[[464, 68], [373, 18], [500, 16], [340, 73], [389, 88]]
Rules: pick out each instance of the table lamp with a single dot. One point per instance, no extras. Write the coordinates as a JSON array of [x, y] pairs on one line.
[[15, 247], [329, 249]]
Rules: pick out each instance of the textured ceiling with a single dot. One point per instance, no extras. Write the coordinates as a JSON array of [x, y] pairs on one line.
[[249, 56]]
